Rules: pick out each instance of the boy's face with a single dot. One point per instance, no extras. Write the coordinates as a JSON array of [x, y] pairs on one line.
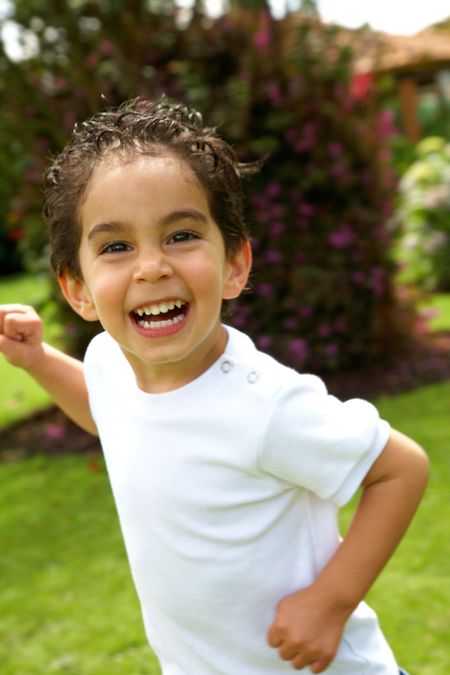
[[154, 268]]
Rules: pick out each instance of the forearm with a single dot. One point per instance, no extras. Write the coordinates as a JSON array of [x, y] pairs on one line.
[[386, 507], [62, 376]]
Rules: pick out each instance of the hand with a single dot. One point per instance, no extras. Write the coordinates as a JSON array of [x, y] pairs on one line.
[[307, 629], [20, 335]]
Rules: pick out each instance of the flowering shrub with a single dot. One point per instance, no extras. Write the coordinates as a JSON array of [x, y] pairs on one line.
[[322, 295], [424, 211]]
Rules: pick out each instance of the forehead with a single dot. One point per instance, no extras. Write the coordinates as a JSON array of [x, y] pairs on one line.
[[147, 166], [124, 181]]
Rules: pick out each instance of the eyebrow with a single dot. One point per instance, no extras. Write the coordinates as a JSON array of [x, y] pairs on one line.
[[169, 219]]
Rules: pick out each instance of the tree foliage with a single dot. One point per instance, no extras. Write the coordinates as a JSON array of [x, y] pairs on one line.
[[322, 294]]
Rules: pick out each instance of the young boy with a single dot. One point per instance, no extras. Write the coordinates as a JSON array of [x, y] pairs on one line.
[[227, 468]]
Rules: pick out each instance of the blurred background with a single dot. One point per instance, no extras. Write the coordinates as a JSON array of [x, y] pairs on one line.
[[349, 106], [349, 213]]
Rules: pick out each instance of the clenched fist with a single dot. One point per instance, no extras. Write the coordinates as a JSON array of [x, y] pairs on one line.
[[21, 335]]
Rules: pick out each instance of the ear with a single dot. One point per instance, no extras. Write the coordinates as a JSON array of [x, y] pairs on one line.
[[239, 268], [78, 296]]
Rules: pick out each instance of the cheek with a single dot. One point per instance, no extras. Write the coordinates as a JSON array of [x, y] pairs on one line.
[[207, 280]]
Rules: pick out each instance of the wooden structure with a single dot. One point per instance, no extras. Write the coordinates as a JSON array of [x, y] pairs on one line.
[[418, 63]]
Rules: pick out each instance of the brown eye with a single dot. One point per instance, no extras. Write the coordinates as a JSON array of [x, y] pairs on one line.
[[180, 237], [115, 247]]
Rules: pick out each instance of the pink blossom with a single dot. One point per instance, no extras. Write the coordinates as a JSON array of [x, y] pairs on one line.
[[386, 124], [106, 47], [264, 288], [274, 93], [338, 170], [342, 238], [262, 40], [55, 431], [335, 149], [360, 85], [273, 189], [298, 348], [290, 323], [306, 210], [276, 230], [377, 281], [265, 342], [273, 256]]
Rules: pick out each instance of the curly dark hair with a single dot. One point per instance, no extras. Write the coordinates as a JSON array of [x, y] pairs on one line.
[[153, 128]]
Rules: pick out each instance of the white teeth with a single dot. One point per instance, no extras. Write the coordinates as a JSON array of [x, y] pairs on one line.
[[162, 324], [160, 308]]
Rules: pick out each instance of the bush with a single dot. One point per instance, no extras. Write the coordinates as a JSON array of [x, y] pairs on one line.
[[424, 211], [321, 209]]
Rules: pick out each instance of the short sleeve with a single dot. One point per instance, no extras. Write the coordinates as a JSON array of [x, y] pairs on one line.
[[315, 441], [104, 372]]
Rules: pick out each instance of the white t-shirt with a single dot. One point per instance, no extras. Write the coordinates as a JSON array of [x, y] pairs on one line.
[[227, 491]]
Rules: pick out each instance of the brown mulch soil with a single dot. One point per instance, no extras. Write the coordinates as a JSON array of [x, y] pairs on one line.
[[50, 432]]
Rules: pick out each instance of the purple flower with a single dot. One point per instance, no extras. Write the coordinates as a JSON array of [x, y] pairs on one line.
[[299, 349], [264, 342], [306, 210], [106, 47], [377, 281], [331, 350], [55, 431], [273, 189], [262, 40], [335, 149], [273, 256], [239, 320], [338, 171], [263, 289], [274, 93], [276, 230], [342, 238]]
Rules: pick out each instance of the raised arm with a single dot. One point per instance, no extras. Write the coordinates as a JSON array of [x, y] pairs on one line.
[[59, 374], [308, 626]]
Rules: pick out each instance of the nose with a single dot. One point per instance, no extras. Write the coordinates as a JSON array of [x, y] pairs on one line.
[[152, 266]]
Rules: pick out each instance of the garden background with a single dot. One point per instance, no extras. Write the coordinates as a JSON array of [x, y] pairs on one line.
[[349, 225]]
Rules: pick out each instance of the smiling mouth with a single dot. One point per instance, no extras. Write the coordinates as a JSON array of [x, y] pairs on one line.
[[160, 315]]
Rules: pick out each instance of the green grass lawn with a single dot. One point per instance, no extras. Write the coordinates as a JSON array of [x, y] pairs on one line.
[[19, 394], [440, 306], [67, 603]]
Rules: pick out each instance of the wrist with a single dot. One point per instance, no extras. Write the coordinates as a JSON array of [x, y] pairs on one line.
[[339, 595], [37, 364]]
